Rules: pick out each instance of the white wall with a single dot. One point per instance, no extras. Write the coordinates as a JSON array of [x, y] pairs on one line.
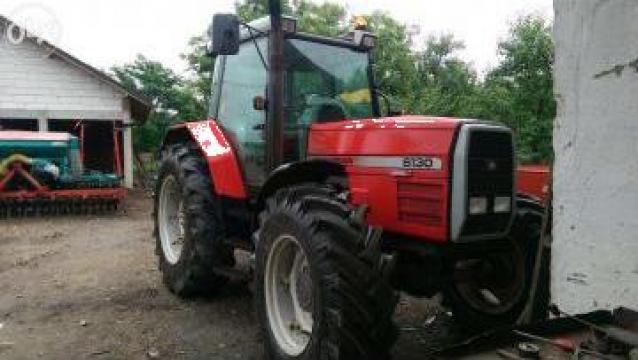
[[30, 80], [595, 250]]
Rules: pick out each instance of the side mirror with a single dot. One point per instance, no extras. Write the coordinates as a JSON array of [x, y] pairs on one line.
[[224, 34]]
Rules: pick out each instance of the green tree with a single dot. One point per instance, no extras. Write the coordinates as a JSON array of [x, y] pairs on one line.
[[395, 69], [249, 10], [173, 99], [324, 19], [447, 85], [394, 59], [492, 100], [440, 54], [200, 66], [525, 75], [327, 19]]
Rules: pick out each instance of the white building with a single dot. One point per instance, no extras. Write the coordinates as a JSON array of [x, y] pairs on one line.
[[44, 88], [595, 248]]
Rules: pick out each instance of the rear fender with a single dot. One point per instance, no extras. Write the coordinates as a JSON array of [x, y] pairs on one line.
[[223, 164]]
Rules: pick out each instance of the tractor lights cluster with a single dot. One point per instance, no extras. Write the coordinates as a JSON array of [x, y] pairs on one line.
[[359, 22], [479, 205], [502, 204], [361, 36]]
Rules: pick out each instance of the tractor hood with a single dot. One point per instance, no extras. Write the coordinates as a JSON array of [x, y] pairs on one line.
[[405, 135]]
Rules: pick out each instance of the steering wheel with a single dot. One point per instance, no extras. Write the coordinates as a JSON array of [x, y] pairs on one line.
[[313, 104]]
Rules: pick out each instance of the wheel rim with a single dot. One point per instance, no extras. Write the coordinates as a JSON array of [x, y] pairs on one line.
[[289, 295], [503, 286], [171, 220]]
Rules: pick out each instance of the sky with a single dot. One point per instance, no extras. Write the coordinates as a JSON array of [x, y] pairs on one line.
[[112, 32]]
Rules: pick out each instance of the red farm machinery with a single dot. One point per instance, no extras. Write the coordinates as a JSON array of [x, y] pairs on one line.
[[41, 173], [341, 205]]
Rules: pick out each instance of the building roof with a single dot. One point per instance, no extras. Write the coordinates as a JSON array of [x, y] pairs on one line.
[[140, 105]]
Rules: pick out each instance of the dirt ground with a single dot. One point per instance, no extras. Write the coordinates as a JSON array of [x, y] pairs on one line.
[[89, 288]]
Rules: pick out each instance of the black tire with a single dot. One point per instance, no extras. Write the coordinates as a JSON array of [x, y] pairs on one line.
[[203, 246], [526, 233], [529, 224], [353, 301]]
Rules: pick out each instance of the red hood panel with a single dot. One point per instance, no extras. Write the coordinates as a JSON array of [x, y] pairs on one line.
[[406, 121], [410, 202], [406, 135]]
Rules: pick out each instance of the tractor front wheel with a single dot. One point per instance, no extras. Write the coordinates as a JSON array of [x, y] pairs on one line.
[[188, 226], [500, 288], [320, 288]]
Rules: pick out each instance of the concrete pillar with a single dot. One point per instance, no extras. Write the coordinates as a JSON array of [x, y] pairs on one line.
[[127, 145], [595, 247], [128, 156], [43, 124]]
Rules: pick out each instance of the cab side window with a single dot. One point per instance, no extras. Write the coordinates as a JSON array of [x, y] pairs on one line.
[[217, 79], [244, 78]]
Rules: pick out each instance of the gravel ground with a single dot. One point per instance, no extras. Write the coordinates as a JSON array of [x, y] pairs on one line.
[[89, 288]]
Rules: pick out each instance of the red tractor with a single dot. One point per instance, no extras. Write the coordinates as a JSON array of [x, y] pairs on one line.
[[341, 206]]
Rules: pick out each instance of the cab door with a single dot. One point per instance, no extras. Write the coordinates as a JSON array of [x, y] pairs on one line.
[[243, 77]]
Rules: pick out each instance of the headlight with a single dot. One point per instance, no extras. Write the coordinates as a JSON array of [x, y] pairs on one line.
[[502, 204], [478, 205]]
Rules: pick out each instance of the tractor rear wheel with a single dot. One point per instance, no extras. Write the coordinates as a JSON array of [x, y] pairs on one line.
[[501, 286], [321, 289], [188, 226]]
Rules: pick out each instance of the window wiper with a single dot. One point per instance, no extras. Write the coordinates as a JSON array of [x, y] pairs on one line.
[[252, 37]]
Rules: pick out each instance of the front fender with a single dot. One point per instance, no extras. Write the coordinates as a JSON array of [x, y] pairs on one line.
[[313, 170], [222, 160]]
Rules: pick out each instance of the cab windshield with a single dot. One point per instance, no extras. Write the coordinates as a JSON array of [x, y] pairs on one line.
[[326, 82]]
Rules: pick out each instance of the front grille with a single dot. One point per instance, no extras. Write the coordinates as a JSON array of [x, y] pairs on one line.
[[420, 203], [490, 169]]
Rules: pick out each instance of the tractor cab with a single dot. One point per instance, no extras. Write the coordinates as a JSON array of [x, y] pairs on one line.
[[323, 80]]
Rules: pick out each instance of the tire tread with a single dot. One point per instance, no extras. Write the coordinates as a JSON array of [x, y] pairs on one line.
[[195, 275], [360, 300]]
